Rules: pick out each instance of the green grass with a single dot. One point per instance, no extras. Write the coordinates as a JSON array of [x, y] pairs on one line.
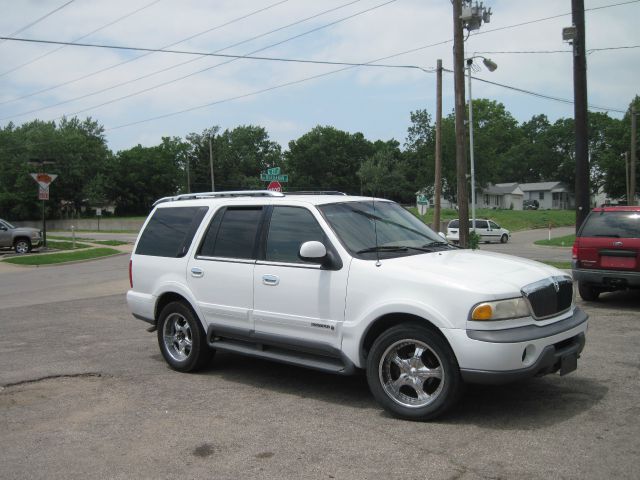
[[108, 231], [64, 245], [566, 241], [562, 265], [53, 258], [111, 243], [68, 239], [512, 220]]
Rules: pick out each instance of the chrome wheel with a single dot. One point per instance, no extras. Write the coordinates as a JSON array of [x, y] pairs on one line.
[[22, 246], [177, 336], [411, 373]]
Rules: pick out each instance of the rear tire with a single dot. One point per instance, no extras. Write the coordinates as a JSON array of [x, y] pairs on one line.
[[413, 373], [181, 338], [22, 245], [588, 292]]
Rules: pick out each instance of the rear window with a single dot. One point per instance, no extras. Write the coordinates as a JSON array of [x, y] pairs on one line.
[[453, 224], [612, 224], [170, 231]]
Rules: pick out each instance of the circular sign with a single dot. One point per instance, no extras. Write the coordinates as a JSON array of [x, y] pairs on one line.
[[275, 187]]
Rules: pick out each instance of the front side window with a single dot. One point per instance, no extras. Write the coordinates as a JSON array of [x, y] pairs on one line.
[[170, 231], [385, 229], [494, 225], [289, 228]]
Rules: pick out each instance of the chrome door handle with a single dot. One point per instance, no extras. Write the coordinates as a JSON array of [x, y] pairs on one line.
[[197, 272], [270, 280]]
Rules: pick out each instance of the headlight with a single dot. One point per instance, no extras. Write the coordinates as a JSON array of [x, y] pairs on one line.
[[500, 310]]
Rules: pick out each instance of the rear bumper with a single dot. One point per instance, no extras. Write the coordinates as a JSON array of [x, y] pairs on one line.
[[607, 278]]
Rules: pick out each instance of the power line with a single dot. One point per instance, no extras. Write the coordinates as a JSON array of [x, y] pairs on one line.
[[205, 69], [18, 67], [591, 50], [191, 37], [26, 27]]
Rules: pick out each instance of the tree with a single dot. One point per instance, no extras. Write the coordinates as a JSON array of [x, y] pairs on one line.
[[327, 159]]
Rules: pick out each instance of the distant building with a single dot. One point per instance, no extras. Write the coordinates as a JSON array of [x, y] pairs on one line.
[[549, 195], [501, 196]]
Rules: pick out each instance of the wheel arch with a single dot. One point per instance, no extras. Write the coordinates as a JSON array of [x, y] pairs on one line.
[[390, 320], [166, 298]]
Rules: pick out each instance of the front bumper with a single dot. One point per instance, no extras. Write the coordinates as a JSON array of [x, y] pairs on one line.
[[501, 356]]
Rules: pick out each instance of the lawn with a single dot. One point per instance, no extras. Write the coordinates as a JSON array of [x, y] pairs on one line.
[[64, 244], [566, 241], [512, 220], [52, 258], [562, 265], [111, 243]]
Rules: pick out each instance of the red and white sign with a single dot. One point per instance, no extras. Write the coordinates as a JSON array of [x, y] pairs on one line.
[[44, 180], [43, 193], [275, 187]]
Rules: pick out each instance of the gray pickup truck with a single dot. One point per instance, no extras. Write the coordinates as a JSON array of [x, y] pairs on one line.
[[21, 239]]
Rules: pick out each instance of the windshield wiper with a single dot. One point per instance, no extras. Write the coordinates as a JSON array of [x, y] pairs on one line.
[[383, 248], [436, 243]]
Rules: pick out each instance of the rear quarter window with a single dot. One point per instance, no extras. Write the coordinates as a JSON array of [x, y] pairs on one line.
[[170, 231]]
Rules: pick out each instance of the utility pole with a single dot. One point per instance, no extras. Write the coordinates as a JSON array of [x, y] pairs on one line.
[[461, 156], [626, 172], [438, 175], [188, 177], [631, 200], [213, 187], [583, 202]]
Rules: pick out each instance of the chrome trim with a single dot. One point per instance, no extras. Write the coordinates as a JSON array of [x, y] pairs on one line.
[[225, 259], [541, 285], [313, 266]]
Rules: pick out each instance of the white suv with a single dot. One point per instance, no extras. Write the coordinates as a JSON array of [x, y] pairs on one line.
[[488, 230], [343, 284]]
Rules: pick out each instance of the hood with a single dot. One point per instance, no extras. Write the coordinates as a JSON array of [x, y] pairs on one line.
[[481, 272], [26, 230]]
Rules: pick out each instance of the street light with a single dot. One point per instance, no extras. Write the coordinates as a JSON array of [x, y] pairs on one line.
[[491, 66]]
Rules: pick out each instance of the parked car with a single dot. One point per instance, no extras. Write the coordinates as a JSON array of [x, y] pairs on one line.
[[488, 230], [21, 239], [606, 253], [530, 204], [341, 284]]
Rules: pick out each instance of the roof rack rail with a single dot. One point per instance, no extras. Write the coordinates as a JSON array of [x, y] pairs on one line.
[[236, 193], [316, 192]]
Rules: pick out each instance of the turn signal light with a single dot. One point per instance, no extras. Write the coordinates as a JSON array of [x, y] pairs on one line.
[[482, 312]]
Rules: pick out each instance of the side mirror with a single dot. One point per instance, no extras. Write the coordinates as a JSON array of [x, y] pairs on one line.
[[310, 251], [2, 227]]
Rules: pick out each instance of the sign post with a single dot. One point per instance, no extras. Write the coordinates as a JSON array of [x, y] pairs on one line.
[[422, 202], [43, 180]]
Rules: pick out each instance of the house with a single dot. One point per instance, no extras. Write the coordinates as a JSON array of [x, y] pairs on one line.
[[550, 195], [501, 196]]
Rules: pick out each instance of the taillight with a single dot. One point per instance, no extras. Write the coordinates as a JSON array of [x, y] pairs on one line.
[[574, 250], [130, 273]]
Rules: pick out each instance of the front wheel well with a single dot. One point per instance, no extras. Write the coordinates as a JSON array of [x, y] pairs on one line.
[[388, 321]]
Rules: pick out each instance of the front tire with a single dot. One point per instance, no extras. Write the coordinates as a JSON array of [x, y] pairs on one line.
[[22, 245], [588, 292], [413, 373], [182, 339], [504, 238]]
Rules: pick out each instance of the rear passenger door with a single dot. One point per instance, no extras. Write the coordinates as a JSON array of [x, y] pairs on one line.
[[482, 229], [297, 301], [221, 273]]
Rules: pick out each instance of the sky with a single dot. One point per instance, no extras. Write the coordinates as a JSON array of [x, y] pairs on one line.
[[138, 96]]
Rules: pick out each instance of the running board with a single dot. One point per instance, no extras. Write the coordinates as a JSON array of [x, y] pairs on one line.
[[290, 357]]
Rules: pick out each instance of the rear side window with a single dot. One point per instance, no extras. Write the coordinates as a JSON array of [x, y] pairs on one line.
[[612, 224], [479, 223], [170, 231], [232, 233]]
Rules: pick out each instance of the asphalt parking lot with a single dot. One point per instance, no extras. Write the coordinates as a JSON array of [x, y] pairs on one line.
[[85, 394]]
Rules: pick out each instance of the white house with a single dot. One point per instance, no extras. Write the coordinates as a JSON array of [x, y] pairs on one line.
[[501, 196], [550, 195]]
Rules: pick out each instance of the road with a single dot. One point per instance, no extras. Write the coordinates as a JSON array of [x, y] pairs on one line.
[[86, 394]]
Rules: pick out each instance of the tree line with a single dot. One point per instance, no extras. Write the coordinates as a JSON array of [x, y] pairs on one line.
[[325, 158]]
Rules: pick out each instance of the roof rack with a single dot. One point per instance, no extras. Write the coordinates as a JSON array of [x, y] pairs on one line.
[[316, 192], [236, 193]]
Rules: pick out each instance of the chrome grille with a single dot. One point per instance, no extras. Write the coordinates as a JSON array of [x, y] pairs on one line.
[[549, 297]]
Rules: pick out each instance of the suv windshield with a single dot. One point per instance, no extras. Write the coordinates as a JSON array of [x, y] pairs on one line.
[[6, 224], [371, 229], [612, 224]]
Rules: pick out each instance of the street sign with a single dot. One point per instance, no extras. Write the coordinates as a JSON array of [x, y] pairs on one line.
[[275, 187], [422, 200], [267, 177], [43, 179], [43, 193], [273, 171]]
